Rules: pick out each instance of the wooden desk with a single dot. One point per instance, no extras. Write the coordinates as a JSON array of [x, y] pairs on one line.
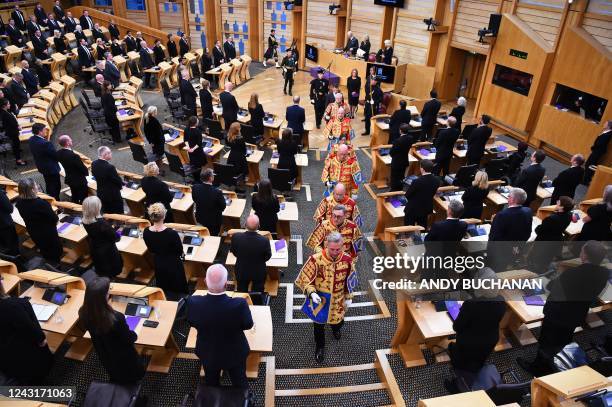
[[470, 399], [301, 161], [13, 55], [136, 258], [381, 166], [518, 315], [137, 291], [253, 160], [289, 213], [553, 389], [387, 215], [235, 75], [222, 72], [8, 274], [233, 212], [271, 128], [572, 230], [259, 337], [178, 147], [245, 75], [202, 256], [273, 266]]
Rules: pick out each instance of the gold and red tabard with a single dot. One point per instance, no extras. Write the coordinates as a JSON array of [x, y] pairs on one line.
[[351, 236], [326, 206], [344, 172]]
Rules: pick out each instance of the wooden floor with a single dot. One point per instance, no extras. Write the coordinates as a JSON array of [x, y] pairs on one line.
[[269, 86]]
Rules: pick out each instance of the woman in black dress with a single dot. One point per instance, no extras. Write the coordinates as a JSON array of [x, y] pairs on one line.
[[206, 99], [266, 206], [110, 111], [548, 233], [156, 190], [111, 337], [257, 115], [353, 84], [193, 139], [207, 64], [26, 357], [102, 238], [40, 220], [154, 134], [597, 222], [287, 149], [237, 155], [458, 112], [9, 242], [167, 249], [474, 196]]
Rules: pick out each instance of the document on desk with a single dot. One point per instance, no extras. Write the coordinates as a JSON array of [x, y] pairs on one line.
[[279, 250], [44, 312]]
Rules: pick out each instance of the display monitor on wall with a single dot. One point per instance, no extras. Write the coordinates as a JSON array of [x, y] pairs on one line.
[[512, 79], [312, 53], [391, 3], [386, 73]]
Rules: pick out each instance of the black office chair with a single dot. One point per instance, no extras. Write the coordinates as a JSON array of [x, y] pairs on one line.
[[225, 174], [496, 168], [214, 128], [176, 110], [138, 152], [168, 94], [213, 396], [297, 139], [248, 133], [465, 176], [259, 298], [101, 394], [95, 105], [467, 130], [281, 180], [98, 126], [176, 166]]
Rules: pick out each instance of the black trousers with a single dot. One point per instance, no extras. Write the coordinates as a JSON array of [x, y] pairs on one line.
[[410, 220], [397, 178], [16, 147], [53, 185], [9, 240], [147, 79], [319, 107], [115, 131], [113, 207], [79, 193], [553, 337], [237, 374], [288, 81], [442, 165], [427, 132], [367, 114], [257, 286], [319, 332]]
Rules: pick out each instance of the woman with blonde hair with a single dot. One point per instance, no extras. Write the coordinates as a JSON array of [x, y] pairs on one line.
[[257, 115], [102, 239], [473, 198], [156, 190], [353, 85], [154, 133], [238, 150], [167, 249]]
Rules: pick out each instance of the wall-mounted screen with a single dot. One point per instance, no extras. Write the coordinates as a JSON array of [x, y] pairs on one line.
[[512, 79], [392, 3], [589, 106], [311, 53], [386, 73]]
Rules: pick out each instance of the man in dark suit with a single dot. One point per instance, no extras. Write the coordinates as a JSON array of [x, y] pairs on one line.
[[444, 236], [70, 23], [19, 18], [352, 44], [9, 241], [295, 116], [76, 172], [98, 33], [109, 183], [130, 41], [514, 222], [58, 10], [86, 21], [229, 105], [45, 158], [220, 321], [158, 52], [41, 15], [399, 157], [183, 45], [209, 203], [566, 182], [420, 196], [86, 58], [146, 62], [53, 24], [399, 117], [188, 94], [40, 46], [477, 141], [429, 115], [445, 143], [171, 46], [571, 295], [11, 129], [97, 84], [14, 34], [113, 30], [111, 72], [32, 26], [30, 79], [229, 48], [598, 151], [252, 251], [218, 54], [530, 177], [18, 91]]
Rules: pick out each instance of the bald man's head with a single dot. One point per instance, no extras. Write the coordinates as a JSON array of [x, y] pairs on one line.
[[216, 278], [99, 78], [339, 192], [342, 152], [252, 223], [229, 86]]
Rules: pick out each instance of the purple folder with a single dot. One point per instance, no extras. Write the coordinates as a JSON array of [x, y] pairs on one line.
[[533, 300], [501, 148], [395, 202], [424, 151], [132, 322], [280, 245], [63, 228], [122, 112]]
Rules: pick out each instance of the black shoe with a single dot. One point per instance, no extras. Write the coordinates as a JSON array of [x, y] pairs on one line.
[[290, 94], [365, 133], [337, 334], [318, 126], [284, 91], [320, 355]]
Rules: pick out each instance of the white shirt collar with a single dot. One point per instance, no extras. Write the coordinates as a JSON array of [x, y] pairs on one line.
[[221, 293]]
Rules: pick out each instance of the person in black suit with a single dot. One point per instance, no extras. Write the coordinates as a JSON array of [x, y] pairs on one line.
[[352, 44], [548, 233], [58, 10], [11, 130], [146, 62], [167, 249], [266, 206], [70, 23], [59, 42], [473, 198], [597, 222], [429, 115], [365, 47], [229, 48], [183, 45], [102, 239], [206, 64], [206, 99], [158, 52], [40, 221], [209, 203], [113, 30], [458, 112], [229, 105], [40, 46], [567, 305], [109, 184], [171, 46], [98, 34], [193, 140], [154, 134], [117, 48], [27, 358], [252, 251], [156, 190], [18, 91], [399, 117], [445, 143], [45, 158], [110, 334], [14, 33], [40, 14], [529, 178], [238, 150], [110, 111], [514, 222], [256, 111], [399, 157], [514, 162], [385, 55], [220, 321], [111, 71], [477, 141], [79, 35], [75, 171], [188, 94], [477, 326], [9, 243], [218, 54], [444, 236], [287, 149], [598, 151], [32, 26], [295, 116], [100, 52], [566, 182], [86, 21], [97, 84], [86, 58], [420, 196], [19, 18], [130, 42], [53, 24]]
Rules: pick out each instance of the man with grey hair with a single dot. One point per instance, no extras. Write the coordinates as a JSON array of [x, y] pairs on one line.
[[229, 105], [220, 321], [295, 116], [451, 229], [146, 62], [352, 238], [328, 279], [352, 43], [75, 171], [445, 143], [18, 91], [108, 182], [209, 203], [252, 251]]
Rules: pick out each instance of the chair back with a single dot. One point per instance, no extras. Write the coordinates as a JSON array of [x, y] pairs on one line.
[[175, 164], [465, 175], [221, 396], [225, 174], [247, 131], [138, 152], [280, 179], [101, 394], [496, 168], [214, 128]]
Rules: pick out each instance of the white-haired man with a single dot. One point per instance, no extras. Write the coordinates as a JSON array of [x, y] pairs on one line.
[[109, 183]]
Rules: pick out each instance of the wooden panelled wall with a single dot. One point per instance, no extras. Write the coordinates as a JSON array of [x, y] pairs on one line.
[[276, 17]]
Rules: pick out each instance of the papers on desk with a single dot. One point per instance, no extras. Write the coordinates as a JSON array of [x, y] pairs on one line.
[[498, 148], [120, 102], [63, 228], [504, 191], [243, 112], [398, 201], [170, 135], [44, 312], [125, 112], [534, 300], [279, 249], [132, 322]]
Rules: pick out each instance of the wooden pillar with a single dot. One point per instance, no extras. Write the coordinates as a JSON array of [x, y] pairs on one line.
[[388, 26], [302, 32], [255, 28], [152, 13], [119, 8], [186, 29]]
